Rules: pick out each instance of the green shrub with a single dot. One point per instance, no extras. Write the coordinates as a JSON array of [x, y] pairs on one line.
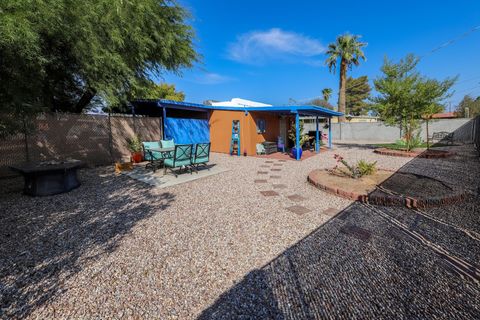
[[134, 144], [366, 168], [358, 170]]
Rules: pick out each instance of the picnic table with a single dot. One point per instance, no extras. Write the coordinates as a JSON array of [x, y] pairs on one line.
[[49, 177]]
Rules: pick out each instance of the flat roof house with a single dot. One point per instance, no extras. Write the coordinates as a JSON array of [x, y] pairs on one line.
[[194, 123]]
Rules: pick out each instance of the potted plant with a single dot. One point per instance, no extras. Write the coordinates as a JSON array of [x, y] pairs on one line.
[[134, 144], [292, 134]]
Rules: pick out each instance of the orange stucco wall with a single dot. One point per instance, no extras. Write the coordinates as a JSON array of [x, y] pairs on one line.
[[221, 130]]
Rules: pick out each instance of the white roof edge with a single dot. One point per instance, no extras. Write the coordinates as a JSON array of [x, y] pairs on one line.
[[239, 102]]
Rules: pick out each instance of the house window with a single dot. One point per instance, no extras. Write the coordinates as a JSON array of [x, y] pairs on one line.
[[261, 126]]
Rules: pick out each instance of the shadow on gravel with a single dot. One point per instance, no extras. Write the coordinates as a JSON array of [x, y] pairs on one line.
[[375, 263], [46, 240]]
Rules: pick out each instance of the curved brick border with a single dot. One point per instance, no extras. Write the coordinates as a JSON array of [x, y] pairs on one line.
[[430, 154], [389, 200]]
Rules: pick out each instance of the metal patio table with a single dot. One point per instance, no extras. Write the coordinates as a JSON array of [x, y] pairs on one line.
[[167, 153]]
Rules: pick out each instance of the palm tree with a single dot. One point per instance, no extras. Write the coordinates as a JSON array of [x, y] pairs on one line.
[[326, 93], [348, 49]]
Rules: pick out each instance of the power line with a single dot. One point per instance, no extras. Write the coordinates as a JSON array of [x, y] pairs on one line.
[[452, 41], [445, 44]]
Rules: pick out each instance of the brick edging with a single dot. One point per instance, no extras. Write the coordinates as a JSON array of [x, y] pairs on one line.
[[431, 154], [390, 200]]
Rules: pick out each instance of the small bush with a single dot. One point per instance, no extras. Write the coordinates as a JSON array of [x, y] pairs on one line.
[[360, 169], [134, 144], [366, 168]]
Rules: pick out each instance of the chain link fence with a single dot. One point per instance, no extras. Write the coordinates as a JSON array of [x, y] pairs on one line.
[[95, 139]]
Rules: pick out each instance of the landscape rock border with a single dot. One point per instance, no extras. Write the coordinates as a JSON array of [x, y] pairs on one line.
[[428, 154], [389, 199]]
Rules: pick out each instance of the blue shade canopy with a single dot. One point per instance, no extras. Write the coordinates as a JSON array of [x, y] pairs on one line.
[[302, 110], [187, 131]]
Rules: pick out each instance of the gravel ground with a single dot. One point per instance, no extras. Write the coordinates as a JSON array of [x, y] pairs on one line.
[[216, 247]]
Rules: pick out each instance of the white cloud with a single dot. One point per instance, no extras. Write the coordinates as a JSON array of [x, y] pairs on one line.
[[258, 47], [211, 78]]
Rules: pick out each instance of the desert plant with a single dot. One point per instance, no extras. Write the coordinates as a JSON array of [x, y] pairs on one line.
[[292, 134], [134, 144], [413, 141], [366, 168], [358, 170]]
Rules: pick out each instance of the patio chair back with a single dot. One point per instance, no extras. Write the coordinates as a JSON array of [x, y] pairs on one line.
[[167, 143], [281, 144], [182, 155], [202, 153], [147, 155]]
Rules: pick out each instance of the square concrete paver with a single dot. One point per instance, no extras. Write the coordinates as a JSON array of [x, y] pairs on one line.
[[356, 232], [298, 210], [269, 193], [331, 211], [279, 186], [260, 181], [262, 172], [296, 198], [275, 177]]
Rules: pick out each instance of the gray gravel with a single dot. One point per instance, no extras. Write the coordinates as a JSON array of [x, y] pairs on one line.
[[216, 247]]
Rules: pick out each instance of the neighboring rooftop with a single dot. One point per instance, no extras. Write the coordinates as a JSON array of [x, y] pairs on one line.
[[445, 115], [238, 102]]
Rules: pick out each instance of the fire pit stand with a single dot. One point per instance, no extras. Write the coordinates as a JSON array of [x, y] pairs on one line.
[[49, 178]]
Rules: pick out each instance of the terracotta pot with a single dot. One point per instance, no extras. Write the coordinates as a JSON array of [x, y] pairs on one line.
[[137, 157]]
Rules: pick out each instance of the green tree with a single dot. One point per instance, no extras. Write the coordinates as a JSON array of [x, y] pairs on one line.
[[405, 96], [60, 54], [327, 93], [357, 93], [468, 107], [149, 90], [348, 50], [158, 91], [321, 103]]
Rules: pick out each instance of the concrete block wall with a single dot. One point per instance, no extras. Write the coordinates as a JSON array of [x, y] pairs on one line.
[[378, 132]]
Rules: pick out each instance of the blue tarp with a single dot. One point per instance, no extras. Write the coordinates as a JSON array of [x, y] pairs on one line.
[[187, 131]]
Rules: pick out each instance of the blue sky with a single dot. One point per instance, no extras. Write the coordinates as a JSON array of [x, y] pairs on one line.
[[271, 51]]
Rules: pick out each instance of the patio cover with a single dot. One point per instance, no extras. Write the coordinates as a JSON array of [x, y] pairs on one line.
[[297, 110]]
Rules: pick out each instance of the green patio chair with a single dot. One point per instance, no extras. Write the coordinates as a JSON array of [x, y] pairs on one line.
[[181, 159], [167, 143], [201, 156], [154, 158]]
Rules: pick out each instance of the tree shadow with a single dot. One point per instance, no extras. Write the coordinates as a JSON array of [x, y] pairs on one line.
[[375, 262], [47, 240]]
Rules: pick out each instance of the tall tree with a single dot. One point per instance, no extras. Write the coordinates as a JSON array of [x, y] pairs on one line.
[[60, 54], [348, 50], [148, 90], [468, 107], [405, 97], [327, 93], [357, 92], [321, 103]]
